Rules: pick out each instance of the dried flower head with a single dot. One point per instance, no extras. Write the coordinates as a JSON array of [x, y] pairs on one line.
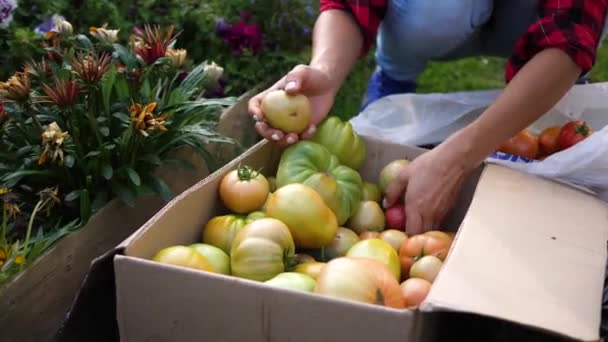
[[41, 68], [150, 43], [52, 140], [16, 89], [91, 68], [64, 94], [177, 57], [144, 120], [9, 202], [50, 198], [103, 34]]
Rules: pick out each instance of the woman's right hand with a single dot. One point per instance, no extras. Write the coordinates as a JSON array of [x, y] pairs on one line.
[[306, 80]]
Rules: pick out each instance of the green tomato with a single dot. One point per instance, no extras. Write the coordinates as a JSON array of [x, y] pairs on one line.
[[379, 250], [262, 249], [221, 230], [293, 281], [340, 138], [312, 164], [216, 257], [371, 192]]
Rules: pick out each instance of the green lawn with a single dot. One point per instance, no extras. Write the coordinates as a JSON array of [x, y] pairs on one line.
[[465, 74]]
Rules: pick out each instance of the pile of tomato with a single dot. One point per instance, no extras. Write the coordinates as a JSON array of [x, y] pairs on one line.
[[317, 226], [551, 140]]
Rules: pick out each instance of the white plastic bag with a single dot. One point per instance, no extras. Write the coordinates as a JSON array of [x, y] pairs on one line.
[[420, 119]]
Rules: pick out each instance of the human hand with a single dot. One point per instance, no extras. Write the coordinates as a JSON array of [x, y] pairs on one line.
[[305, 80], [428, 186]]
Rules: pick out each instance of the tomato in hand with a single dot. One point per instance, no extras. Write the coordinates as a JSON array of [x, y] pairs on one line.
[[244, 190], [523, 144], [572, 133]]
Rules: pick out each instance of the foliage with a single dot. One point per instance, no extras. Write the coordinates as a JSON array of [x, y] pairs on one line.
[[92, 120]]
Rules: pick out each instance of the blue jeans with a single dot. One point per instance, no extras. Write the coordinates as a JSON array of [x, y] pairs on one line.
[[414, 32]]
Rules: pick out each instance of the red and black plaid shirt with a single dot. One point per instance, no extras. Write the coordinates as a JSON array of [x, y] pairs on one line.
[[574, 26]]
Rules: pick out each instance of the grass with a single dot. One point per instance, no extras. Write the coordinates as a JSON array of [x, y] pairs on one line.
[[476, 73]]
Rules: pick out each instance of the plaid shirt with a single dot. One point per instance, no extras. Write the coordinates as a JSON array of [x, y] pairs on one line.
[[574, 26]]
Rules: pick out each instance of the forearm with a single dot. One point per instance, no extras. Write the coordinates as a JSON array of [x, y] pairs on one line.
[[538, 86], [337, 43]]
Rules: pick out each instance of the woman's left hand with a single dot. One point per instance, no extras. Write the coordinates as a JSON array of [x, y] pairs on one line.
[[429, 187]]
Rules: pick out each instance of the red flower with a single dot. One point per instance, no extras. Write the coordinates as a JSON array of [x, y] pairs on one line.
[[151, 44]]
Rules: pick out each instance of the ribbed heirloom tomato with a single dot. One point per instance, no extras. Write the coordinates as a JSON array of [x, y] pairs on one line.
[[221, 230], [434, 243], [244, 190], [261, 250], [340, 139], [311, 164], [361, 280], [183, 256]]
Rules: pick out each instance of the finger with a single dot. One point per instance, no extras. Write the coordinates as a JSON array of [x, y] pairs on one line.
[[395, 189], [295, 80], [310, 132], [269, 133], [414, 224], [291, 138], [255, 110]]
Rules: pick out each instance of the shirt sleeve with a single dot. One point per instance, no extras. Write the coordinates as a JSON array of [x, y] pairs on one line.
[[573, 26], [367, 13]]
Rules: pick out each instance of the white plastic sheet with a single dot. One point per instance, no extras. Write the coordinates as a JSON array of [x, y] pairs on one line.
[[420, 119]]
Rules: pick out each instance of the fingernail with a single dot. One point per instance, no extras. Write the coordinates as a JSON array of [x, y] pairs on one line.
[[290, 85], [275, 137], [255, 117], [291, 140], [312, 130], [384, 203]]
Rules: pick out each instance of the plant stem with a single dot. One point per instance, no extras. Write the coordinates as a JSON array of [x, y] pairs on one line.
[[39, 205], [3, 237]]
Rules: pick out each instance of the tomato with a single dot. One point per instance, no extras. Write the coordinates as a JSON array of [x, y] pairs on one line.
[[523, 144], [371, 192], [361, 280], [368, 216], [311, 164], [216, 257], [344, 240], [441, 235], [572, 133], [261, 250], [221, 230], [293, 281], [395, 217], [389, 172], [311, 223], [417, 246], [369, 235], [415, 291], [342, 140], [426, 268], [378, 250], [244, 190], [312, 269], [302, 258], [183, 256], [547, 140], [394, 237], [289, 113]]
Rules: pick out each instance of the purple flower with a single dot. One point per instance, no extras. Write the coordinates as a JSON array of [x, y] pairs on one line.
[[221, 27], [48, 24], [7, 8]]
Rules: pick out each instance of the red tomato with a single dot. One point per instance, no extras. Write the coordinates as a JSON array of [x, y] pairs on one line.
[[523, 144], [395, 217], [572, 133], [414, 291], [426, 268], [244, 190], [548, 140], [361, 280]]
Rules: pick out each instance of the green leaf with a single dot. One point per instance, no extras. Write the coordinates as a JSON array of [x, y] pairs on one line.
[[107, 84], [85, 205], [69, 161], [161, 188], [133, 176], [110, 147], [101, 198], [84, 41], [24, 173], [105, 131], [106, 171], [122, 117], [152, 159], [92, 154], [122, 88], [72, 195], [124, 193]]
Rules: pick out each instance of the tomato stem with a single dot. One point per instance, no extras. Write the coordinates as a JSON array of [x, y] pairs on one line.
[[246, 173], [581, 128]]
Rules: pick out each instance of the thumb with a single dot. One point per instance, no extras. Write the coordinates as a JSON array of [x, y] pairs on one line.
[[295, 80], [396, 188]]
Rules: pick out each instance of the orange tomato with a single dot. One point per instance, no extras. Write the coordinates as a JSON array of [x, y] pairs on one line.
[[523, 144], [394, 237], [414, 291], [548, 141], [244, 190], [418, 246], [369, 235]]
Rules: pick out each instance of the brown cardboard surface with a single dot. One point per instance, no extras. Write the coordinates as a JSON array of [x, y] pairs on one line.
[[530, 251], [507, 235]]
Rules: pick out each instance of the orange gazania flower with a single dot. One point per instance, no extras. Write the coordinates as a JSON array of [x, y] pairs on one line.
[[144, 120]]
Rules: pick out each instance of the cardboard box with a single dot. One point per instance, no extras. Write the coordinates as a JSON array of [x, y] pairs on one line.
[[528, 251]]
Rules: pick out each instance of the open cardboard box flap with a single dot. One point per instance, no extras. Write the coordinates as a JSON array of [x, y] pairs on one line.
[[552, 279], [528, 250]]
